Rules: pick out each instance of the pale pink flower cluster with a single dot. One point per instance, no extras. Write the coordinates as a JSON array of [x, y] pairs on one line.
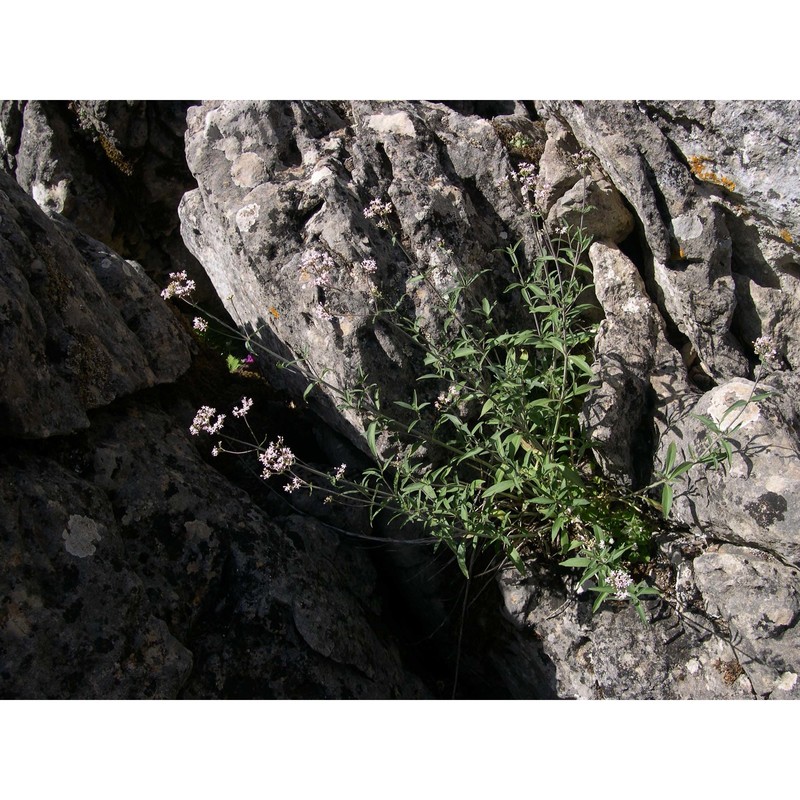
[[295, 484], [199, 324], [179, 286], [526, 173], [379, 210], [766, 348], [217, 449], [277, 458], [318, 265], [322, 313], [203, 421], [369, 266], [620, 580], [247, 404], [340, 470]]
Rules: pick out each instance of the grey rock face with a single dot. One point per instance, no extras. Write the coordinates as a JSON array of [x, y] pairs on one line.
[[116, 169], [131, 568], [634, 364], [80, 326], [716, 269], [130, 579], [278, 180], [611, 654], [752, 501], [758, 597]]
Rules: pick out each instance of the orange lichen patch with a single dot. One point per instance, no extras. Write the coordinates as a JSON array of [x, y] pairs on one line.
[[786, 236], [274, 312], [699, 168], [678, 253]]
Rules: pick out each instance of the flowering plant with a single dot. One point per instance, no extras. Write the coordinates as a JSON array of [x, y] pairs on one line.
[[489, 453]]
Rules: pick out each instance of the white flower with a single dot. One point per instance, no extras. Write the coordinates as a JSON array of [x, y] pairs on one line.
[[380, 210], [293, 485], [199, 324], [202, 421], [526, 174], [767, 350], [276, 458], [322, 313], [340, 470], [318, 265], [247, 404], [369, 266], [179, 286], [377, 209], [446, 398], [620, 580]]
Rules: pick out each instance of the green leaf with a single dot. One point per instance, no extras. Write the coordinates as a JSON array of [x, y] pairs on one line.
[[461, 557], [502, 486], [233, 363], [681, 468], [517, 561], [580, 363], [371, 437], [577, 561], [666, 500], [672, 451]]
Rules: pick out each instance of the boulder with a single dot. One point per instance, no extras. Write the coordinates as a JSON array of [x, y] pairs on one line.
[[282, 186], [80, 325]]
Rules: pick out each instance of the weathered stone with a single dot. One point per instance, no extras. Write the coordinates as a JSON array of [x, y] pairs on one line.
[[751, 501], [126, 579], [685, 231], [634, 366], [758, 598], [80, 326], [595, 206], [77, 621], [447, 178], [116, 169], [611, 653], [134, 570]]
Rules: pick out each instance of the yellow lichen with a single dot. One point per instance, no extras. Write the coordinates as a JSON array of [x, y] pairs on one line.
[[114, 155], [786, 236], [697, 164]]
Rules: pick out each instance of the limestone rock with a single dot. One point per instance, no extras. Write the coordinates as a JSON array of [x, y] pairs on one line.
[[752, 501], [634, 366], [81, 326], [278, 182], [116, 169], [611, 654], [758, 598], [127, 579], [685, 231]]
